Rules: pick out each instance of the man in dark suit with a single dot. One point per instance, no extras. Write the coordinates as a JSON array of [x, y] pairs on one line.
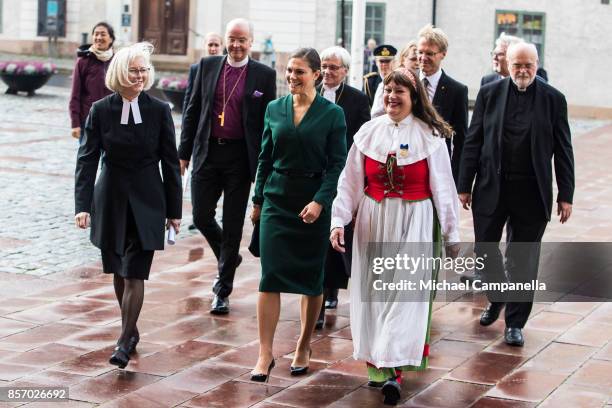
[[335, 64], [449, 97], [519, 125], [223, 124]]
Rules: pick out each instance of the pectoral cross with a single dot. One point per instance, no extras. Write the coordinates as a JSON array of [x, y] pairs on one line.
[[222, 118]]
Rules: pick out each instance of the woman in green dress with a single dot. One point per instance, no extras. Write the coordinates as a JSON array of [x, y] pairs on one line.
[[302, 154]]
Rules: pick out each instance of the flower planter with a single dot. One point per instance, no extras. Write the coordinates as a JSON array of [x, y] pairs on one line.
[[173, 89], [25, 76], [176, 97], [24, 83]]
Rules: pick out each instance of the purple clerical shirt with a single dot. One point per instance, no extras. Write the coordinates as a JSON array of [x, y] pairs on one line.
[[232, 126]]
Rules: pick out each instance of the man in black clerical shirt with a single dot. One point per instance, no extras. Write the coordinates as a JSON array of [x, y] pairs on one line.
[[518, 127]]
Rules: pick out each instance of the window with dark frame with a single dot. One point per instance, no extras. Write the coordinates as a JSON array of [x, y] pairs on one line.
[[43, 7], [374, 22], [530, 26]]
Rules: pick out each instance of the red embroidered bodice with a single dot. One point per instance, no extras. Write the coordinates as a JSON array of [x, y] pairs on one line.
[[386, 180]]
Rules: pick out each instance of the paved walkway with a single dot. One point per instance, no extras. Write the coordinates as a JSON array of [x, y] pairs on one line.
[[59, 319]]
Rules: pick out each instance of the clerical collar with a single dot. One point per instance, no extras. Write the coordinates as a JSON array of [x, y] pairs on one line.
[[125, 111], [238, 64], [530, 88]]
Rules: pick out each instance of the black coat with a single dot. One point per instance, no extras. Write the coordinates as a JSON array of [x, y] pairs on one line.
[[356, 107], [260, 89], [130, 173], [550, 141], [451, 102], [193, 70]]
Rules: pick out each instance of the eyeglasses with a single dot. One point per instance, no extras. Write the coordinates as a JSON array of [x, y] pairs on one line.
[[497, 54], [141, 71], [427, 54], [332, 68]]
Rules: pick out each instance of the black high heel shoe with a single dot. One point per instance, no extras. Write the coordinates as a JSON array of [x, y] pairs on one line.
[[263, 377], [300, 370], [120, 357]]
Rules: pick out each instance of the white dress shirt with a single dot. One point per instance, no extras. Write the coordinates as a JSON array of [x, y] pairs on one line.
[[433, 83], [378, 106], [330, 93]]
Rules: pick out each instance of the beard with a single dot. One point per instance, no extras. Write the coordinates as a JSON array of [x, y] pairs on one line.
[[523, 82]]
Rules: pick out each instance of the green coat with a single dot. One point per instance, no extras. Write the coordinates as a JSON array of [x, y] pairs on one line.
[[293, 252]]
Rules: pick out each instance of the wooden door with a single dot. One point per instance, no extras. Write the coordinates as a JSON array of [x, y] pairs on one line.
[[164, 23]]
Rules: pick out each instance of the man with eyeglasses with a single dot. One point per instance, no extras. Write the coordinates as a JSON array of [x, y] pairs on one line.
[[222, 128], [335, 64], [384, 55], [498, 55], [518, 128], [449, 97]]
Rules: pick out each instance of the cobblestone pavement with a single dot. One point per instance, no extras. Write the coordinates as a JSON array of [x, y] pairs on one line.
[[59, 319], [37, 159]]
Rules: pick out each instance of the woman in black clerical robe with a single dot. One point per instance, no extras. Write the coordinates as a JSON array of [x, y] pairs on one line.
[[131, 204]]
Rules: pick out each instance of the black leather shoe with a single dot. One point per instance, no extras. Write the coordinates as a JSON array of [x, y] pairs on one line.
[[300, 370], [376, 384], [392, 392], [220, 305], [120, 357], [331, 301], [491, 313], [513, 336], [263, 377]]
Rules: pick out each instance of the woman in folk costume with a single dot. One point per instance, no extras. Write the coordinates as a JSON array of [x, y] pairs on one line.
[[398, 184]]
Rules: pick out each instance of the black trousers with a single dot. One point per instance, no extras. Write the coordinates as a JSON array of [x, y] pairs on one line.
[[521, 208], [225, 171]]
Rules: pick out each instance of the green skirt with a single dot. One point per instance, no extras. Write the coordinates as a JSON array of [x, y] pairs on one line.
[[292, 252]]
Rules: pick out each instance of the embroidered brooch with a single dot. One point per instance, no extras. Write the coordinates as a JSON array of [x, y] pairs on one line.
[[404, 150]]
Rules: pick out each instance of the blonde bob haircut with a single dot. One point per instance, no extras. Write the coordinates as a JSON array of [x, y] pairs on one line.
[[435, 36], [117, 74]]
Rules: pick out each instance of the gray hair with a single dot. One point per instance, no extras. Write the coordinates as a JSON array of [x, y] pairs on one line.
[[337, 52], [242, 22], [117, 79], [521, 46], [507, 40]]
